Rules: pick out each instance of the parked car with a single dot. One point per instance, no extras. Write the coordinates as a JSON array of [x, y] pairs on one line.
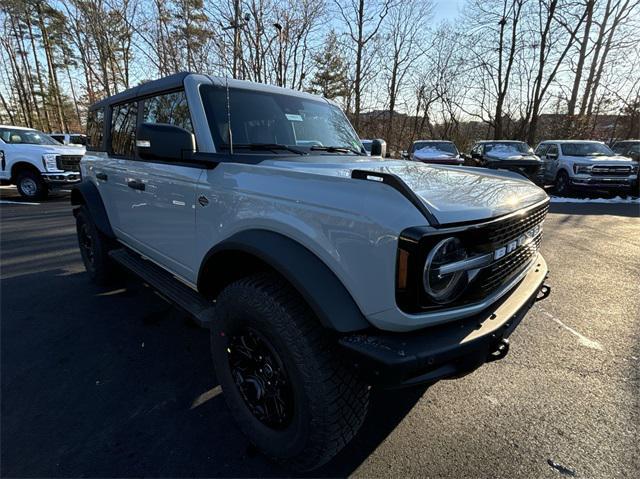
[[35, 162], [440, 152], [573, 164], [71, 139], [508, 155], [630, 149], [319, 271], [369, 144]]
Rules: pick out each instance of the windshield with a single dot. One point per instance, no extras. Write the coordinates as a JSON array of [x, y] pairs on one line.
[[586, 149], [259, 117], [27, 137], [507, 148], [444, 146]]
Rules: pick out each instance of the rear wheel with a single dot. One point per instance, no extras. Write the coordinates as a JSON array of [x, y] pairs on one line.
[[562, 185], [281, 374], [94, 249], [31, 185]]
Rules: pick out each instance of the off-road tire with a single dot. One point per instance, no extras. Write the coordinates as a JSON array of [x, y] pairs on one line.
[[95, 254], [562, 185], [330, 402], [31, 185]]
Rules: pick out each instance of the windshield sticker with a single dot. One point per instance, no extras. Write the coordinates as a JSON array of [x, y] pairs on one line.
[[291, 117]]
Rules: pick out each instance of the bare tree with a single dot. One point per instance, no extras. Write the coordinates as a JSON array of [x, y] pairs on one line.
[[363, 20]]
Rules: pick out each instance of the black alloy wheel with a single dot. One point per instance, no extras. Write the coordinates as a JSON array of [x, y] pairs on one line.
[[261, 378]]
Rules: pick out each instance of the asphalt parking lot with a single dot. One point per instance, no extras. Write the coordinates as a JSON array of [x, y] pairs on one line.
[[115, 382]]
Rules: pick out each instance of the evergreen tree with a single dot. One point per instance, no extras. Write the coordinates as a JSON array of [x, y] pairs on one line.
[[330, 79]]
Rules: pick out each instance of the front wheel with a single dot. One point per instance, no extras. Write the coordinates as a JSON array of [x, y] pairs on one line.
[[31, 186], [563, 185], [281, 374]]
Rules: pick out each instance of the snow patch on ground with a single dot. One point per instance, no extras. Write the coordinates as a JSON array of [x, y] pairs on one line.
[[617, 199]]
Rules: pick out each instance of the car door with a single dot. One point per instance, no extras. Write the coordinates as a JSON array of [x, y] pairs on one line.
[[541, 152], [551, 162], [156, 204]]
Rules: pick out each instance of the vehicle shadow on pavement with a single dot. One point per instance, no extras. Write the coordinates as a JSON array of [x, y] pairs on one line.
[[115, 382], [629, 210]]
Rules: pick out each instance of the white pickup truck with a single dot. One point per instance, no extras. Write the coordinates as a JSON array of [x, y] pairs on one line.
[[35, 162]]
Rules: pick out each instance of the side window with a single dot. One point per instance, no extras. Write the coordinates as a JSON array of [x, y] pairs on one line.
[[620, 148], [553, 150], [123, 129], [171, 108], [542, 149], [95, 129]]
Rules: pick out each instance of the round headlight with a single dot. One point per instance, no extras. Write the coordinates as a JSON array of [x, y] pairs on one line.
[[444, 288]]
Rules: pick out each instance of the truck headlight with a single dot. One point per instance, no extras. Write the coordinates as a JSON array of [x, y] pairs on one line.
[[583, 169], [49, 162], [444, 288]]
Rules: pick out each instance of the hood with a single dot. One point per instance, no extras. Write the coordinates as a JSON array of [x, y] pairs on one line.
[[54, 149], [430, 153], [513, 157], [454, 194]]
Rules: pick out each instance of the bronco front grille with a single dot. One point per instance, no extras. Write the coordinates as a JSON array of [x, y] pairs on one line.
[[513, 239], [506, 268], [504, 231], [69, 162]]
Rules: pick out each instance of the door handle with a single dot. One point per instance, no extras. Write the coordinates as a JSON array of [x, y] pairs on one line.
[[136, 185], [102, 176]]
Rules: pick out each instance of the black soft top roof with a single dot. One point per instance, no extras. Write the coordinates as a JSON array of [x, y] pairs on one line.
[[168, 83]]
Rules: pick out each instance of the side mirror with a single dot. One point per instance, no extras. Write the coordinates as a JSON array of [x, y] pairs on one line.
[[159, 141], [376, 148], [404, 155]]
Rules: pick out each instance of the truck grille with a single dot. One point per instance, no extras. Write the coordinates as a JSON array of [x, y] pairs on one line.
[[505, 268], [500, 234], [504, 231], [69, 162], [604, 170]]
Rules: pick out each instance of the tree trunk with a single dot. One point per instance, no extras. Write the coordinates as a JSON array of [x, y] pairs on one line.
[[571, 107], [39, 74], [358, 81], [52, 69]]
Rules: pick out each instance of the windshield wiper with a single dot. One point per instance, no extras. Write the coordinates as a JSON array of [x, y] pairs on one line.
[[265, 147], [336, 149]]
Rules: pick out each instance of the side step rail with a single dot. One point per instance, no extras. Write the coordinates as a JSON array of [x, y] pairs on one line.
[[169, 287]]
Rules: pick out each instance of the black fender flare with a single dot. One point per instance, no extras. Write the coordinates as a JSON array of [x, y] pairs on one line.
[[86, 193], [309, 275]]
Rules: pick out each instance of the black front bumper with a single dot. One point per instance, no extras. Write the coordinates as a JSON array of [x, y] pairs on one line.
[[450, 350]]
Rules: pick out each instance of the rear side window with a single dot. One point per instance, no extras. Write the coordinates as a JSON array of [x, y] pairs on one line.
[[123, 129], [170, 108], [95, 129]]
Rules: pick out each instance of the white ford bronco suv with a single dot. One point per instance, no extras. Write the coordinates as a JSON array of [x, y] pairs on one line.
[[320, 271], [35, 162]]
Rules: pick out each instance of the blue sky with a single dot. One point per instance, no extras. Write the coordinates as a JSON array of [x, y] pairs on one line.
[[446, 9]]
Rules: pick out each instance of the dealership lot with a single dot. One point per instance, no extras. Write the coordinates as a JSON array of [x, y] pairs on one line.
[[115, 382]]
